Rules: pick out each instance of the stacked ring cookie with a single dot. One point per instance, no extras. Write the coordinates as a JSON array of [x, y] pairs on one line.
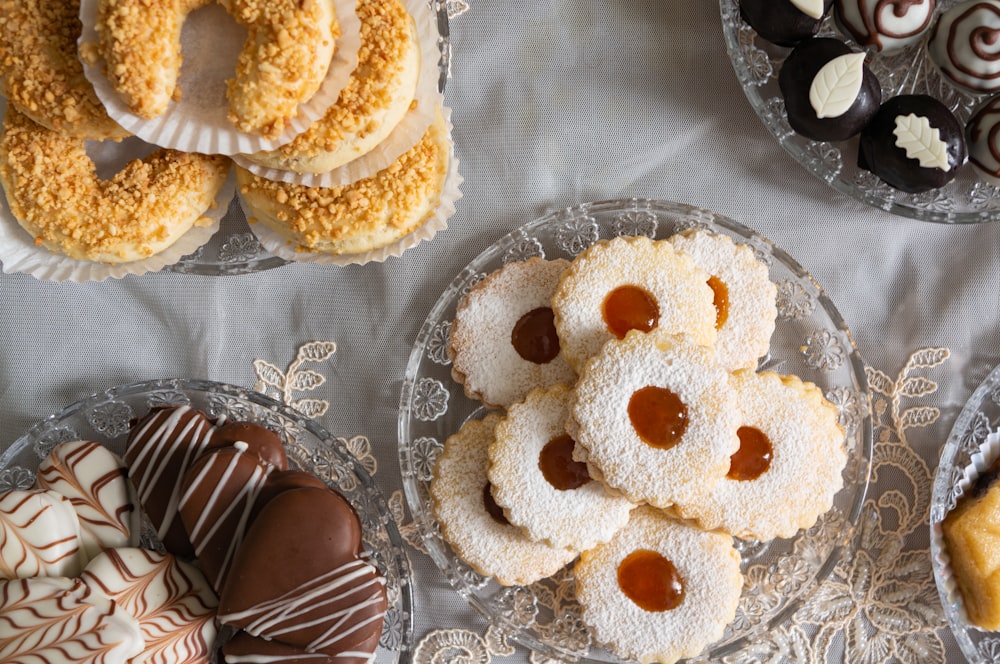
[[40, 73], [473, 524], [503, 341], [54, 191], [539, 485], [745, 297], [660, 590], [631, 283], [652, 407], [362, 216], [788, 466], [375, 99]]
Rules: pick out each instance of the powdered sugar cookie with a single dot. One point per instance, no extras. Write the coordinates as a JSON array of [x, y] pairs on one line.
[[539, 485], [655, 418], [631, 283], [789, 464], [473, 524], [503, 341], [660, 590], [745, 297]]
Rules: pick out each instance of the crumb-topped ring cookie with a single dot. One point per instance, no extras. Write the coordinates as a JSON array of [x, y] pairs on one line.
[[655, 418], [503, 341], [788, 467], [660, 590], [630, 283], [473, 525], [539, 485], [745, 297]]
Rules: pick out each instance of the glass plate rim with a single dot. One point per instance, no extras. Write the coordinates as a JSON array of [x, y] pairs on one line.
[[865, 429], [757, 103], [314, 428]]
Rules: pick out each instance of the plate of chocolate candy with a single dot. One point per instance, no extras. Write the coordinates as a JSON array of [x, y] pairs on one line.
[[893, 104], [193, 521], [563, 425]]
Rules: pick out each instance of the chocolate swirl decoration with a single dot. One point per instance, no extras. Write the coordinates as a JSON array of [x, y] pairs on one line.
[[885, 24], [39, 535], [983, 136], [965, 45]]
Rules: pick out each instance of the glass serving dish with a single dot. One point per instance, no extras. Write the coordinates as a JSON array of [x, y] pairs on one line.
[[810, 340], [967, 199], [104, 417], [978, 420]]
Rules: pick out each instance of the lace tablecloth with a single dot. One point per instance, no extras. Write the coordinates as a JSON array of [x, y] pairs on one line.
[[554, 104]]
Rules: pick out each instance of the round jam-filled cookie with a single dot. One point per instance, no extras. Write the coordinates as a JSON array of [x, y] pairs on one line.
[[655, 418], [982, 134], [963, 44], [39, 535], [914, 143], [830, 93], [745, 297], [660, 590], [631, 283], [785, 22], [885, 25], [473, 524], [789, 464], [538, 484], [503, 342]]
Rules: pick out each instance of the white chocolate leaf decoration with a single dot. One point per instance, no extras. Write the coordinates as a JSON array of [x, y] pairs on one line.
[[812, 8], [39, 535], [59, 620], [836, 85], [93, 479], [921, 141]]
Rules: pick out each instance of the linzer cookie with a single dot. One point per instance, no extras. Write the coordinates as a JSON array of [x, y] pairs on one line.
[[630, 283], [473, 524], [161, 447], [655, 418], [171, 600], [788, 466], [94, 480], [745, 298], [503, 342], [538, 484], [39, 535], [61, 620], [660, 590], [298, 577]]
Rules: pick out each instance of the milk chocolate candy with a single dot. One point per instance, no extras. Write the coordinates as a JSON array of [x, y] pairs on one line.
[[261, 442]]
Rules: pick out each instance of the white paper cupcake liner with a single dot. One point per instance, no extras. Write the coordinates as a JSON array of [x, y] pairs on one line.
[[281, 246], [979, 462], [210, 43], [19, 253], [409, 130]]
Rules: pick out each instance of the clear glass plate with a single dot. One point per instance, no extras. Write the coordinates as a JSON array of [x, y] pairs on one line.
[[979, 418], [104, 417], [967, 199], [810, 340]]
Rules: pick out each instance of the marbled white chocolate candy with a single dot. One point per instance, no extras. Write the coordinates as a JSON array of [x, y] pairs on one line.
[[39, 535]]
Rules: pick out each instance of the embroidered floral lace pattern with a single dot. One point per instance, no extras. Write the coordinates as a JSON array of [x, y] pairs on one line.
[[879, 604]]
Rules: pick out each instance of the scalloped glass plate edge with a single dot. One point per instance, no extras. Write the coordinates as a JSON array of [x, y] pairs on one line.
[[416, 461]]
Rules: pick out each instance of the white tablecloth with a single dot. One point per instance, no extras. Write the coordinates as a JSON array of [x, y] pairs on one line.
[[554, 104]]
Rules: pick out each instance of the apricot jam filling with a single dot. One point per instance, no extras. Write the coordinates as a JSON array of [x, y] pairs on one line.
[[658, 416], [651, 581], [630, 308]]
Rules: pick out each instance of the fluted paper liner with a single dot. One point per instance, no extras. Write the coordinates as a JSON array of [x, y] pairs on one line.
[[409, 130], [281, 246], [989, 451], [210, 43]]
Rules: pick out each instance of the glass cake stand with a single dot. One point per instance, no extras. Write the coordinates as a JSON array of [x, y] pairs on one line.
[[104, 417], [966, 200], [810, 340]]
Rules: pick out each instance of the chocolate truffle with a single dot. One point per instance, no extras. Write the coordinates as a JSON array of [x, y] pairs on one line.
[[785, 22], [830, 93], [982, 134], [885, 25], [965, 45], [913, 143]]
